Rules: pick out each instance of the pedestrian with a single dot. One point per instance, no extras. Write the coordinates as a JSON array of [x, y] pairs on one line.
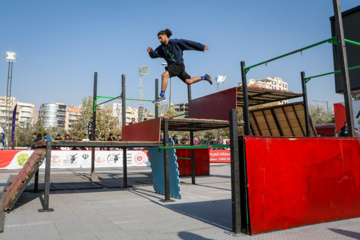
[[33, 140], [176, 140], [132, 121], [58, 138], [119, 137], [85, 139], [46, 137], [172, 51], [357, 133], [344, 130], [185, 140], [89, 127], [200, 140]]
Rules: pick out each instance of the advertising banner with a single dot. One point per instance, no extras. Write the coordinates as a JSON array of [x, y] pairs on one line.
[[16, 159], [220, 156]]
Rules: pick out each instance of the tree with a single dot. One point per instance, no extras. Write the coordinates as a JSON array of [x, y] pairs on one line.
[[106, 123], [170, 111], [320, 115]]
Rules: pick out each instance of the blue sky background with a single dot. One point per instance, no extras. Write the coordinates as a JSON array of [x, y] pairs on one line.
[[60, 44]]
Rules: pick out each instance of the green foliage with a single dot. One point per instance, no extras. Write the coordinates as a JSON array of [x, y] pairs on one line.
[[170, 111], [320, 115], [105, 123]]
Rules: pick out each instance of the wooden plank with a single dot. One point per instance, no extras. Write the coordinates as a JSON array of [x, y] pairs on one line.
[[143, 131]]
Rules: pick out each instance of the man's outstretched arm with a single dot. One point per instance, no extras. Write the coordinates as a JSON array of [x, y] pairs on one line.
[[191, 45], [152, 53]]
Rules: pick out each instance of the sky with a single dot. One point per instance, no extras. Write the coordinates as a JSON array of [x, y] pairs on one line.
[[60, 44]]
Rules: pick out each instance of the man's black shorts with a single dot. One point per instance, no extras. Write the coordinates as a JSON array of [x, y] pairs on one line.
[[178, 70]]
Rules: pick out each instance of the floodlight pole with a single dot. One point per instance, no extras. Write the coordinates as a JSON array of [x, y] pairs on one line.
[[10, 57], [339, 31]]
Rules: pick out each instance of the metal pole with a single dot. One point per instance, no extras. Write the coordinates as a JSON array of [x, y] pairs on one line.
[[192, 158], [306, 110], [93, 175], [246, 101], [47, 180], [170, 94], [235, 172], [36, 183], [166, 160], [344, 67], [156, 95], [7, 109], [189, 93], [123, 116]]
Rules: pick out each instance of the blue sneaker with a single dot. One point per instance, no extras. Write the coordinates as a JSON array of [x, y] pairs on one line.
[[208, 78], [159, 100]]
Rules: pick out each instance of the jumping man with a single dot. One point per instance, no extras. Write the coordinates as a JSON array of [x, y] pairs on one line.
[[172, 52]]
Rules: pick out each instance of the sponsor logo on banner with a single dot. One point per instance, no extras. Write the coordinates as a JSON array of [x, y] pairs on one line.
[[22, 158], [220, 156], [55, 160], [70, 160], [99, 159], [140, 158], [113, 158]]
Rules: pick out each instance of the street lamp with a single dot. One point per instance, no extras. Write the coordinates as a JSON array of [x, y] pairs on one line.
[[220, 80], [327, 105], [11, 58], [142, 71]]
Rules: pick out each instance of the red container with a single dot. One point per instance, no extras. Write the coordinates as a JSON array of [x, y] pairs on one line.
[[202, 162]]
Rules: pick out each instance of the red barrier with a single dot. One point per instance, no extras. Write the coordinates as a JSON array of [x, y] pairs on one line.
[[148, 130], [214, 106], [300, 181], [202, 164]]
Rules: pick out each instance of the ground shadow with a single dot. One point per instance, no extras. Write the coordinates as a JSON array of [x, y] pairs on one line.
[[351, 234], [217, 212]]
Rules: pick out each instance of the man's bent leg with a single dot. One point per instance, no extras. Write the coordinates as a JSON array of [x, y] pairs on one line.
[[164, 82], [192, 80]]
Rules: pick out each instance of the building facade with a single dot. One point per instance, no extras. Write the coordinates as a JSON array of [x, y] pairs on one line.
[[181, 108], [24, 112], [274, 83], [52, 115], [116, 111], [72, 117]]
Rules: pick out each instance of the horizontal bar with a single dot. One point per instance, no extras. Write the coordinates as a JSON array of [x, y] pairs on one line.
[[353, 42], [325, 74], [185, 147], [196, 146], [290, 53], [183, 158], [221, 146], [181, 114], [118, 97], [134, 99]]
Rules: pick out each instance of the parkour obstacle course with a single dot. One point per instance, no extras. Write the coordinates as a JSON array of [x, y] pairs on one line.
[[281, 175]]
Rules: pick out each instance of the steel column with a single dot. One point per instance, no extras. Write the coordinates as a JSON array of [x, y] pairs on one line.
[[47, 180], [306, 109], [235, 172], [339, 31], [166, 160], [94, 177], [156, 95], [36, 183], [125, 183], [192, 158], [123, 116], [189, 93], [246, 100]]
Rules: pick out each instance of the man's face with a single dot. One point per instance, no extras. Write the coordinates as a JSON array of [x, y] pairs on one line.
[[356, 131], [186, 136], [199, 137], [163, 39], [119, 137]]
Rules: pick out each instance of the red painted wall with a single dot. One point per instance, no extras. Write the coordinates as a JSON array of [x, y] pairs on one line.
[[202, 162], [300, 181]]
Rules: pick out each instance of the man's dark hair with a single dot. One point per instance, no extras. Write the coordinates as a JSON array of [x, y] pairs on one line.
[[34, 134], [167, 32], [111, 134], [45, 134], [58, 135]]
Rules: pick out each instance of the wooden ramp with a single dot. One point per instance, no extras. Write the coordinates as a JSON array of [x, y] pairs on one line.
[[286, 120], [23, 178]]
